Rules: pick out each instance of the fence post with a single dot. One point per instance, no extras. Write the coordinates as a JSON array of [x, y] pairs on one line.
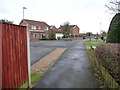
[[28, 54]]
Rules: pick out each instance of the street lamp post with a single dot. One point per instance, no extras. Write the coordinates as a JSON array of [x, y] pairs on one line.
[[100, 27], [23, 11]]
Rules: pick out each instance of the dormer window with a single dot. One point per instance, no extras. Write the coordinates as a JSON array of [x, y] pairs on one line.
[[33, 27], [45, 28]]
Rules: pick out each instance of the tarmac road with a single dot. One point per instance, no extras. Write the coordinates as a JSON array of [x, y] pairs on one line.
[[40, 49], [72, 70]]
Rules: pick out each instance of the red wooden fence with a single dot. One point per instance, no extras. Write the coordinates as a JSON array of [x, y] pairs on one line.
[[0, 57], [14, 56]]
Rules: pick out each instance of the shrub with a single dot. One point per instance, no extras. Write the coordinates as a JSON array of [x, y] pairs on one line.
[[109, 57], [114, 30], [52, 36], [45, 39]]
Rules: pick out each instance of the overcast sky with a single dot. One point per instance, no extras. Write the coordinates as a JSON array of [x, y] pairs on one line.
[[87, 14]]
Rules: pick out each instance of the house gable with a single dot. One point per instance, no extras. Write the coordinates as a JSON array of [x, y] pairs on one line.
[[55, 30], [74, 29], [35, 24], [36, 28], [23, 23]]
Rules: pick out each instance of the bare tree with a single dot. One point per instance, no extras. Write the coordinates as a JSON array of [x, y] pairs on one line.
[[113, 5]]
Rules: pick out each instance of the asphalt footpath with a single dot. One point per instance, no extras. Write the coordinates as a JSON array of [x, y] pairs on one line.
[[72, 70]]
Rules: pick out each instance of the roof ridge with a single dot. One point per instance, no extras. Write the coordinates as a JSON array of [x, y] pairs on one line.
[[33, 20]]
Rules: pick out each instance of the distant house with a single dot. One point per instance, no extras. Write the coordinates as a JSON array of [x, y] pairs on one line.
[[38, 29], [74, 30], [57, 32]]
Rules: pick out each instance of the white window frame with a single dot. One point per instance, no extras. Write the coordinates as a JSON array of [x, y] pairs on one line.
[[35, 35], [42, 34], [33, 27], [46, 28]]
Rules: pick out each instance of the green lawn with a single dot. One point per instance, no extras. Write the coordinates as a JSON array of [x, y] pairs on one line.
[[94, 42]]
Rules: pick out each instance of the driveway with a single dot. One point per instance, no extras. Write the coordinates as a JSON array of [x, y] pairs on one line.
[[72, 70]]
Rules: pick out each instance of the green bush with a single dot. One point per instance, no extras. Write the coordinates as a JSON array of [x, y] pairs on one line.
[[52, 36], [114, 30], [45, 39]]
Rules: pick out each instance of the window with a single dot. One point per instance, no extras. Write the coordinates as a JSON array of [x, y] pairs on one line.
[[45, 28], [42, 35], [76, 35], [33, 27], [39, 27], [35, 35]]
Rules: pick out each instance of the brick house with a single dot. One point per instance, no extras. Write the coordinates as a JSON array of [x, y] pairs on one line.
[[74, 30], [38, 29], [56, 31]]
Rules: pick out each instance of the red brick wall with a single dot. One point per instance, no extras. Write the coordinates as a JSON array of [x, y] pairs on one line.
[[35, 39], [73, 38], [31, 33], [23, 23], [75, 30], [46, 32], [76, 38]]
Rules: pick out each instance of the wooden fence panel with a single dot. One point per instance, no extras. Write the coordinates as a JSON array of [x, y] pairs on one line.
[[0, 56], [14, 56]]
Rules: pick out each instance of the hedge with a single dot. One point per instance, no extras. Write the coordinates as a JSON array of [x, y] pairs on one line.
[[114, 30], [109, 56]]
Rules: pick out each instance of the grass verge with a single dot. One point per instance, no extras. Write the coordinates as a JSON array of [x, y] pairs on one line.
[[34, 79], [95, 71], [94, 42]]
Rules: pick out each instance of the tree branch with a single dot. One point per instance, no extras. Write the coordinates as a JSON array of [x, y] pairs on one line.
[[115, 8]]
